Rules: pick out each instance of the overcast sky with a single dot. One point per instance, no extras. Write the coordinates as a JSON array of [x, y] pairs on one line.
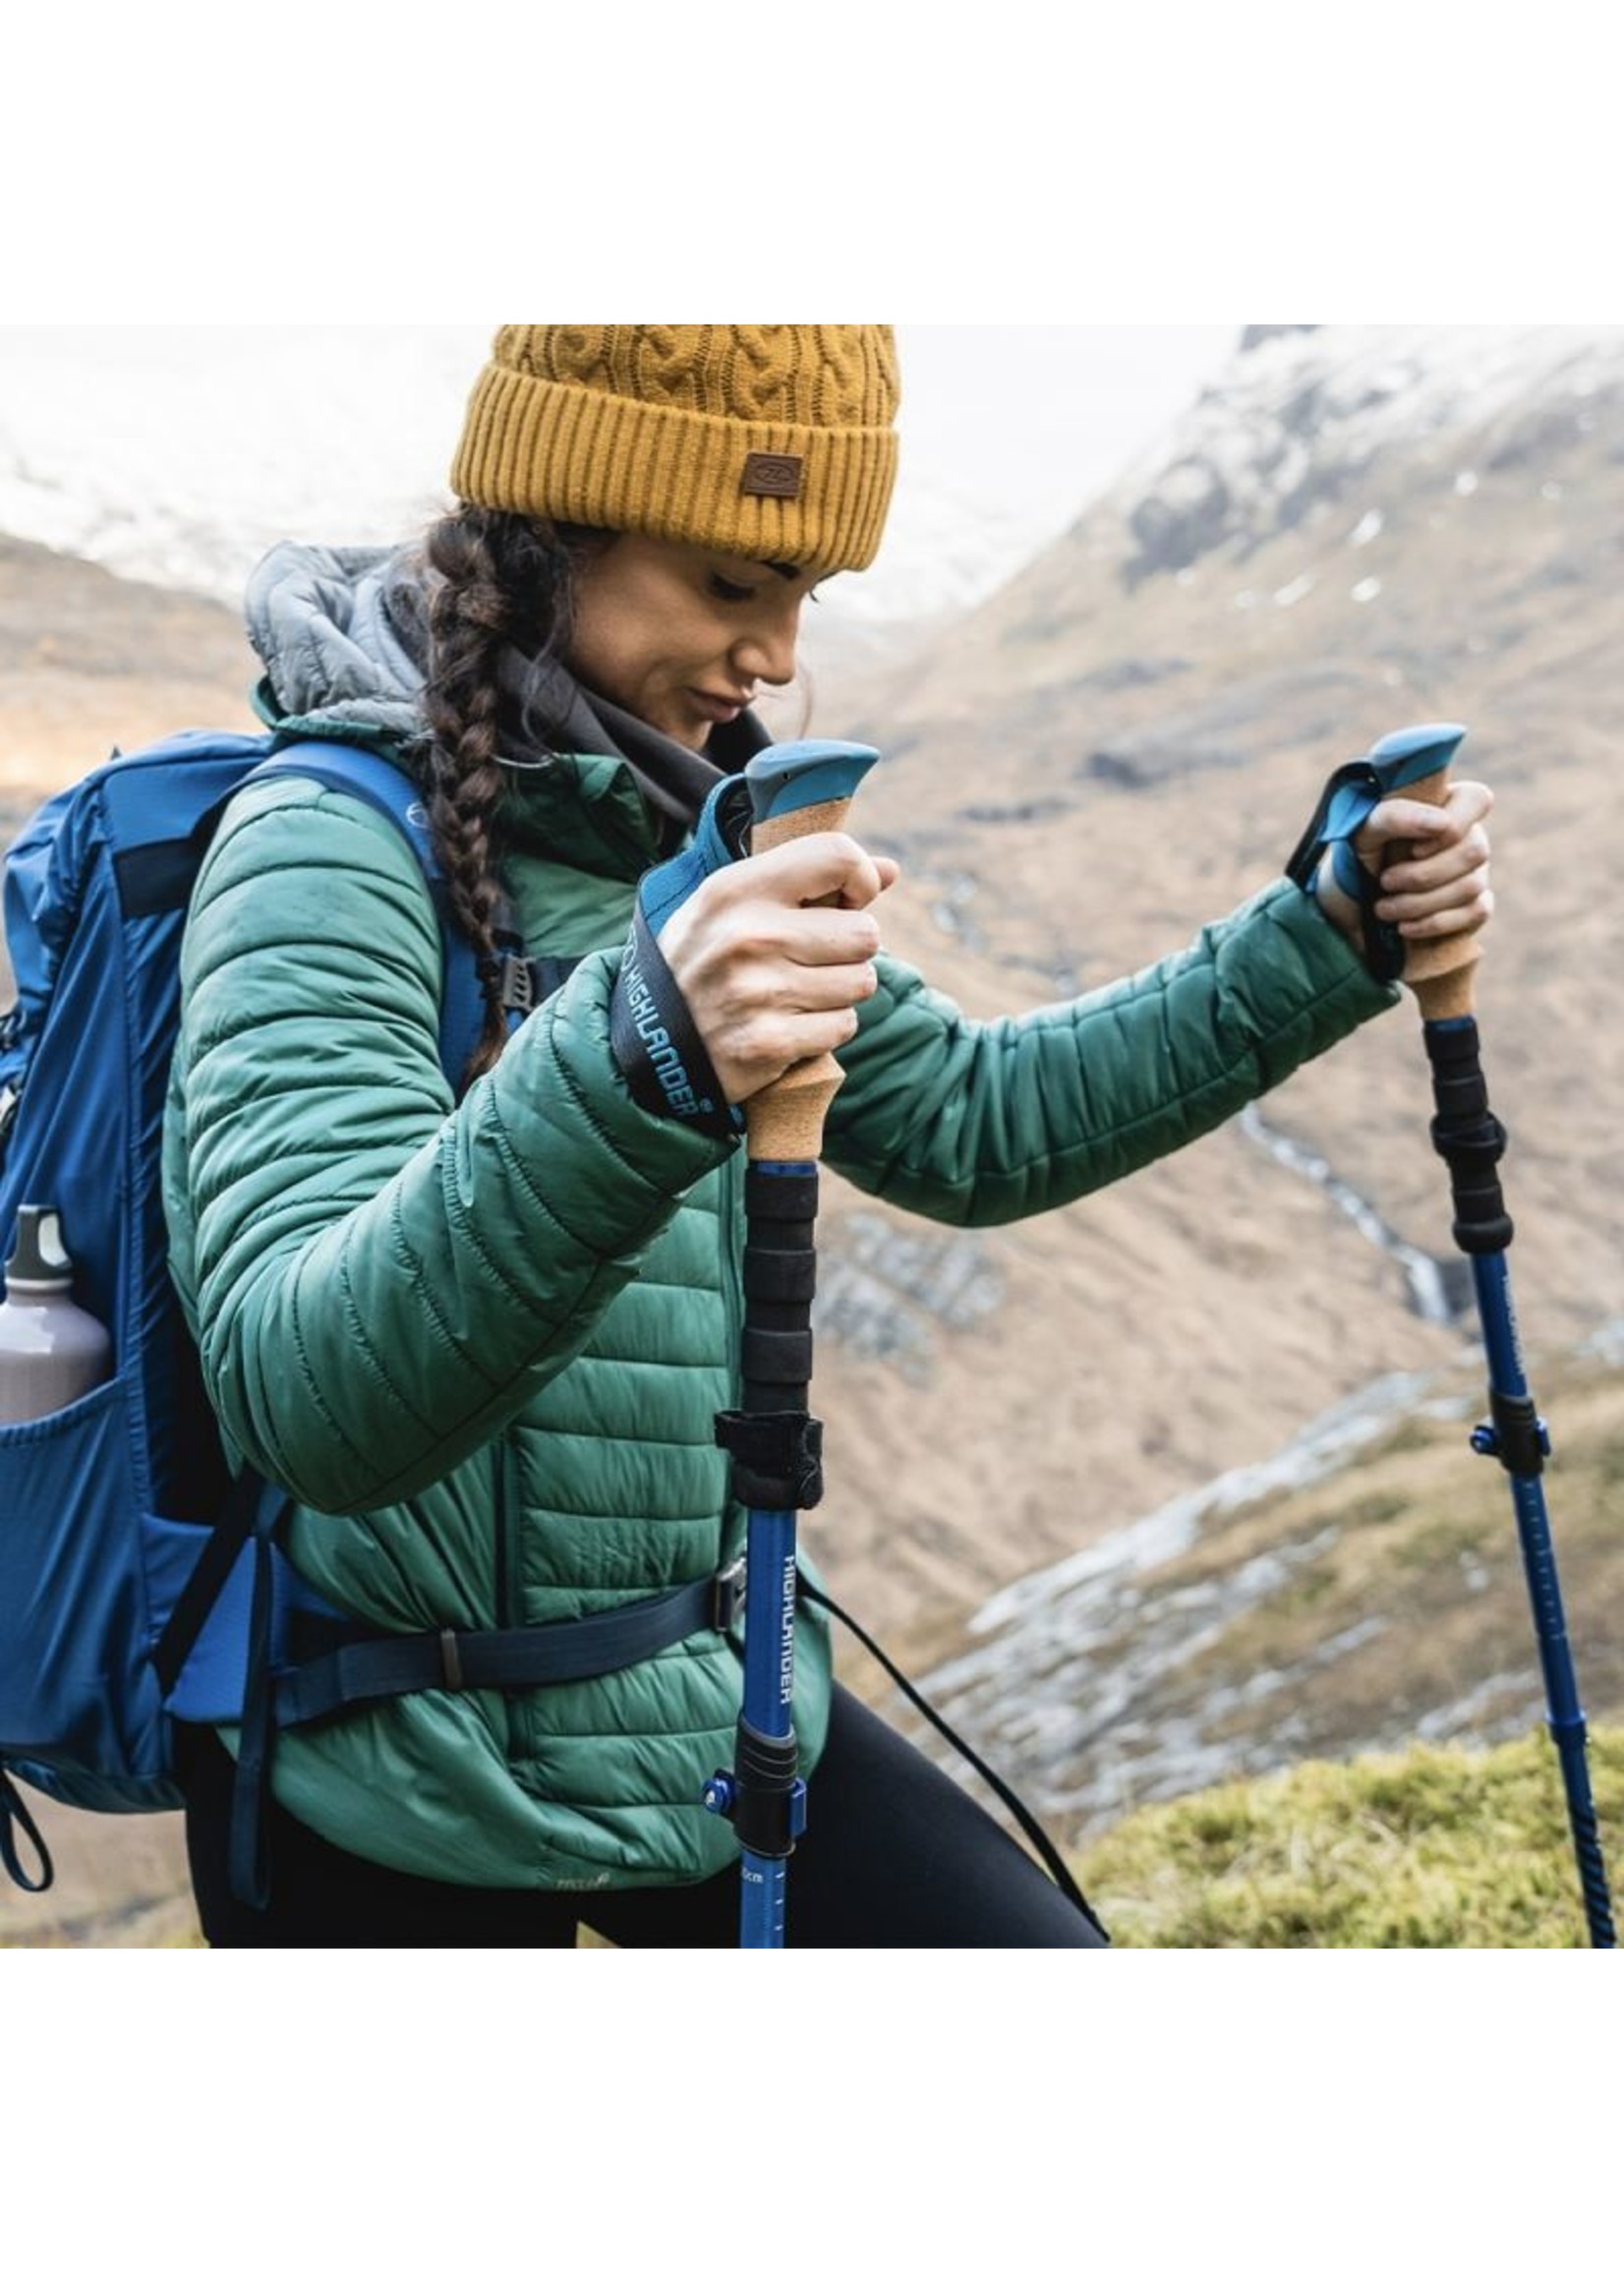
[[1031, 413]]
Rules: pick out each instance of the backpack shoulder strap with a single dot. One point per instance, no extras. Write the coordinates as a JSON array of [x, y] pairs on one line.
[[391, 790]]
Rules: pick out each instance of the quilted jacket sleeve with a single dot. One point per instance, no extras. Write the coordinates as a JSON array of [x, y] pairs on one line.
[[980, 1123], [377, 1281]]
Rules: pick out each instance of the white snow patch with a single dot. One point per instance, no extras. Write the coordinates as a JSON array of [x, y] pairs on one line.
[[1367, 588], [1367, 526]]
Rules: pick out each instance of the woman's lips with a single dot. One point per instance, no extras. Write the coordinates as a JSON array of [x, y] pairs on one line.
[[720, 710]]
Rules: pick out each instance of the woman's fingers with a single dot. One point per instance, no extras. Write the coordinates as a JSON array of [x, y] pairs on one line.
[[807, 871], [1434, 861], [1431, 917], [774, 955], [1399, 822], [1417, 870]]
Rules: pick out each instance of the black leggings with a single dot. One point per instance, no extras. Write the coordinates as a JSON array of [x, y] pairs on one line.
[[895, 1857]]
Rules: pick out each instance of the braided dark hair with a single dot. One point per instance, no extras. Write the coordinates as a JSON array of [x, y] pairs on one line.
[[500, 581]]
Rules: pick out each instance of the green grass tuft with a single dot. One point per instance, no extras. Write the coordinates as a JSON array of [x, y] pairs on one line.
[[1428, 1849]]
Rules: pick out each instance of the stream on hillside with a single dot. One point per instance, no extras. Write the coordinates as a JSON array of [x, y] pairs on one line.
[[1440, 1290]]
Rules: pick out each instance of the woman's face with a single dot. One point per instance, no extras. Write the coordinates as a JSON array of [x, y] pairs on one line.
[[681, 636]]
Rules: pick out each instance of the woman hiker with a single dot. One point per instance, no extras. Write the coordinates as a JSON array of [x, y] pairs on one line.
[[481, 1340]]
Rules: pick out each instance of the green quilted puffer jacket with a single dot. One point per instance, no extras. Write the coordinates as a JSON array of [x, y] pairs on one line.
[[482, 1344]]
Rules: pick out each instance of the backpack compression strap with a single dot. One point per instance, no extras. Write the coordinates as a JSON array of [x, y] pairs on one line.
[[571, 1649]]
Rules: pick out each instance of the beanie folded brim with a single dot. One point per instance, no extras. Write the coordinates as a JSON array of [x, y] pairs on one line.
[[577, 454]]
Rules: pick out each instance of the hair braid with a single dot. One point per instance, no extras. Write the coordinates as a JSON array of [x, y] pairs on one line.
[[500, 581]]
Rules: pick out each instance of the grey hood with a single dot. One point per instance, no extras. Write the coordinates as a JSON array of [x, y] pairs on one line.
[[337, 630]]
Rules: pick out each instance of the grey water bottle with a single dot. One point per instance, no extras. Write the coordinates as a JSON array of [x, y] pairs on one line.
[[51, 1351]]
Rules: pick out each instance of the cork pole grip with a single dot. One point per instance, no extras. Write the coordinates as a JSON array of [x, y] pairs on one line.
[[1439, 972], [784, 1121]]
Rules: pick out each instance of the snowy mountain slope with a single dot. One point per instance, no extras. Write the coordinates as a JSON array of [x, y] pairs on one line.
[[1302, 418], [1369, 482], [178, 455]]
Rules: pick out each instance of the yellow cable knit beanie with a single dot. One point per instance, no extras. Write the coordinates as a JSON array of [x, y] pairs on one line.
[[772, 441]]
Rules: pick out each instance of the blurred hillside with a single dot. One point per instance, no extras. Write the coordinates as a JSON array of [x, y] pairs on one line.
[[1354, 532]]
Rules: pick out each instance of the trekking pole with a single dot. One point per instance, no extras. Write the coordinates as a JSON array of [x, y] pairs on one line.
[[1472, 1141], [795, 791]]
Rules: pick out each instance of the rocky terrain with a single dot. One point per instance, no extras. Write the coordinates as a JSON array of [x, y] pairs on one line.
[[1362, 1591]]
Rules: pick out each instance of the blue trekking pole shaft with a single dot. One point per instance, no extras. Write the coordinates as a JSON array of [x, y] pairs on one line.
[[1472, 1141], [797, 790]]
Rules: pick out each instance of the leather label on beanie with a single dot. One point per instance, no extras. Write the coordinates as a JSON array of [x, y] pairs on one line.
[[771, 474]]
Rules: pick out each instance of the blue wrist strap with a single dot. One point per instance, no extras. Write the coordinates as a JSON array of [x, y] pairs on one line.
[[655, 1041], [719, 839], [1345, 804]]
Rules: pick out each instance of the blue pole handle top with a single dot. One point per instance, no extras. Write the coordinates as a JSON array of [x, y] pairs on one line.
[[797, 775], [1405, 761], [781, 782], [1413, 754]]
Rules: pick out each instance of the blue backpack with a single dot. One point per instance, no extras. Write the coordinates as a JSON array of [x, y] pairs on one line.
[[140, 1585], [126, 1550]]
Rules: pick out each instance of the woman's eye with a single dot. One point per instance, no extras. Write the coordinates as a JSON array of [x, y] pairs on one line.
[[724, 589]]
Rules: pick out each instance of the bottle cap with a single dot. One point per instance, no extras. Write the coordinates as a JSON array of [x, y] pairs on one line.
[[39, 1263]]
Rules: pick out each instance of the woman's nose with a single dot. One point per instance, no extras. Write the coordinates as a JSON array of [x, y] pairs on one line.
[[768, 652]]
